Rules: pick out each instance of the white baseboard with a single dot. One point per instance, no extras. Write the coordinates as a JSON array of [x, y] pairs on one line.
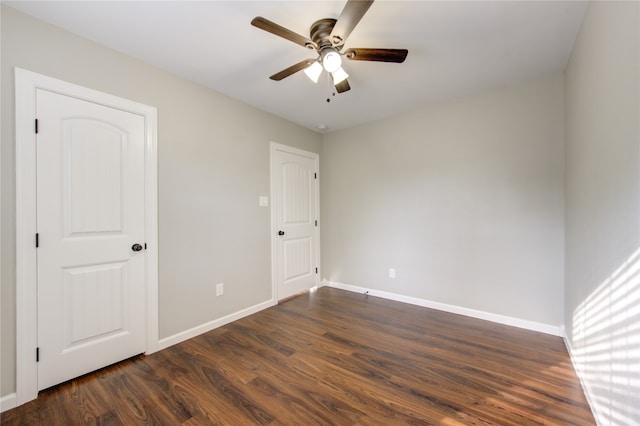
[[585, 388], [488, 316], [7, 402], [196, 331]]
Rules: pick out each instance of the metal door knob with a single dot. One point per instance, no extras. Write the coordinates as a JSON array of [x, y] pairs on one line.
[[136, 247], [280, 232]]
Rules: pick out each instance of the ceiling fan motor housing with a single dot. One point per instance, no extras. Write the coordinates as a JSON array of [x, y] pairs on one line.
[[320, 32]]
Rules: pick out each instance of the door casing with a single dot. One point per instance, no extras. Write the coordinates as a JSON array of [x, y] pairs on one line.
[[274, 147], [26, 83]]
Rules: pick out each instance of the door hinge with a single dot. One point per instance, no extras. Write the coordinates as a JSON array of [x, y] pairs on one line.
[[36, 126], [316, 223], [37, 354], [145, 246], [316, 270], [315, 175], [37, 240]]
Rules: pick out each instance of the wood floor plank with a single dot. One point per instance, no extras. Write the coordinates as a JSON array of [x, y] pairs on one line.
[[331, 357]]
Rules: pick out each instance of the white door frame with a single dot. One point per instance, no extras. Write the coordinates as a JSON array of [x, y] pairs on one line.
[[26, 84], [275, 259]]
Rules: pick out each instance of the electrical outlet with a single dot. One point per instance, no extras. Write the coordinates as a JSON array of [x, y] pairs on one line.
[[392, 272], [219, 289]]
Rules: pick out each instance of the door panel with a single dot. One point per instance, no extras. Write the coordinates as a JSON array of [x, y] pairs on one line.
[[93, 185], [297, 258], [296, 192], [295, 212], [90, 211], [95, 296]]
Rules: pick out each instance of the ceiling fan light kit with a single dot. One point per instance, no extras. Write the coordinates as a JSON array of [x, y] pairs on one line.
[[313, 71], [331, 60], [339, 76], [327, 38]]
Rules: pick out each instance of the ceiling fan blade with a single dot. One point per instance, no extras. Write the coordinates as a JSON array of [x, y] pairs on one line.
[[353, 11], [280, 31], [378, 55], [343, 86], [292, 69]]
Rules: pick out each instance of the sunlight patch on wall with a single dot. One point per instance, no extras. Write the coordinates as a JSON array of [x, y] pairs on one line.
[[606, 345]]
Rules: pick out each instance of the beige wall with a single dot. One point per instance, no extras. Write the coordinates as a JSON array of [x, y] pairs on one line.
[[213, 164], [464, 199], [603, 209]]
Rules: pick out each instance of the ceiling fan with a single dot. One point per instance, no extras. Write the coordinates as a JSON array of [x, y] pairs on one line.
[[327, 37]]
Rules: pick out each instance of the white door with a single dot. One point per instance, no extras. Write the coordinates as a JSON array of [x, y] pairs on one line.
[[90, 214], [295, 212]]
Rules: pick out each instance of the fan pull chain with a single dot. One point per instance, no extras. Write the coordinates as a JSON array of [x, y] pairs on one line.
[[331, 88]]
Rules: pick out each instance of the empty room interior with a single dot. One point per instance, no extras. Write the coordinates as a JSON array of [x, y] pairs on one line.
[[320, 212]]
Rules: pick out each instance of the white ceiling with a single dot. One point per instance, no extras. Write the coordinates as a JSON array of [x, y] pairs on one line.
[[455, 48]]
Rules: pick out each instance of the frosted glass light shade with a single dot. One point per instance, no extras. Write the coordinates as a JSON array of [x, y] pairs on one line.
[[313, 71], [339, 76], [331, 60]]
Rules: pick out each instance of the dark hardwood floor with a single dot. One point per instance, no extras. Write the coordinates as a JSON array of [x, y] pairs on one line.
[[331, 358]]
